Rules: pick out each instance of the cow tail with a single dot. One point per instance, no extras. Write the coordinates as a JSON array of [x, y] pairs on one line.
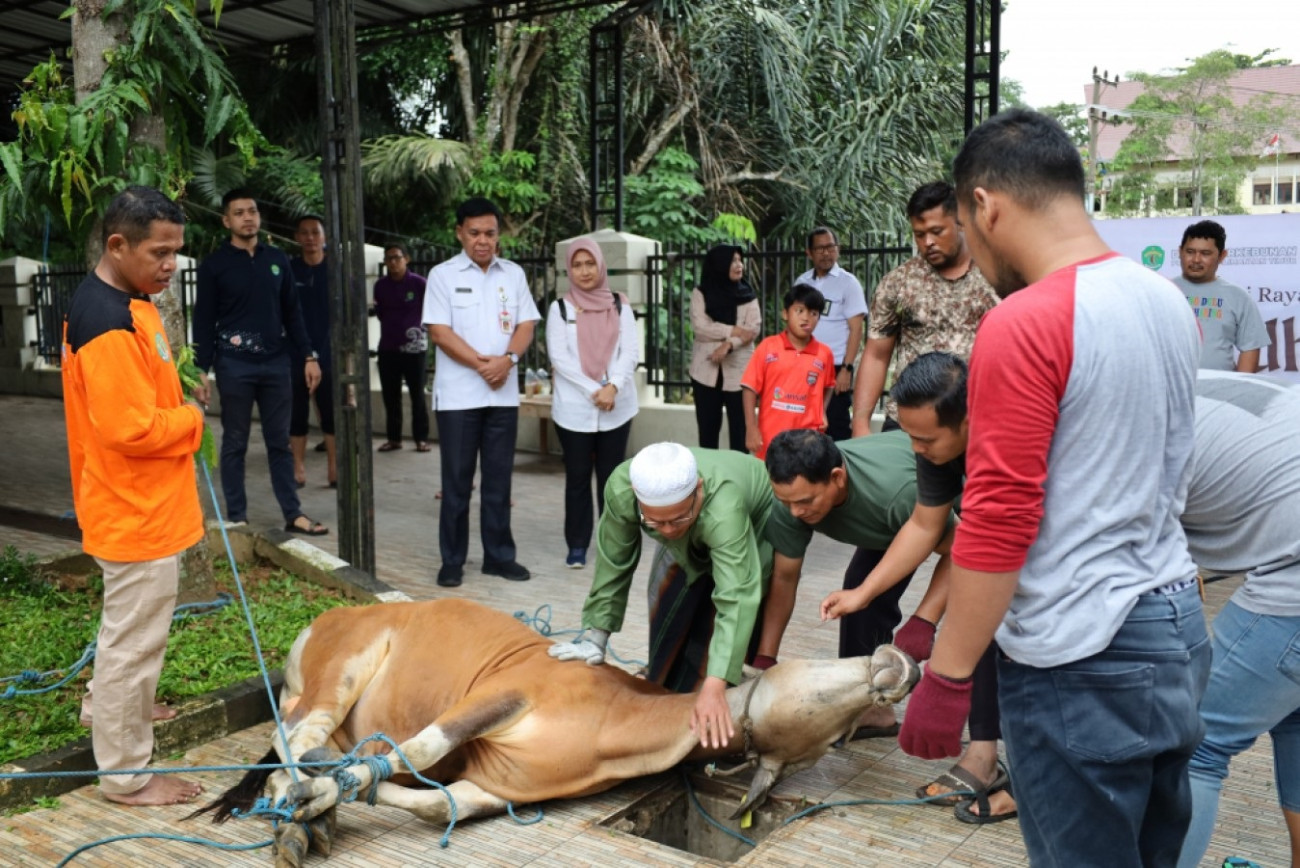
[[242, 795]]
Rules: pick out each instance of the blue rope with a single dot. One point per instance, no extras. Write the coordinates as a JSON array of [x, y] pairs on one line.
[[510, 809], [162, 837], [542, 624], [31, 676]]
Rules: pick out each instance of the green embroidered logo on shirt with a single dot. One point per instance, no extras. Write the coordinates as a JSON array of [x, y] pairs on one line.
[[275, 269]]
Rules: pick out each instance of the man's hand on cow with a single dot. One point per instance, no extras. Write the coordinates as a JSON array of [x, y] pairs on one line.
[[935, 716], [711, 717], [589, 647]]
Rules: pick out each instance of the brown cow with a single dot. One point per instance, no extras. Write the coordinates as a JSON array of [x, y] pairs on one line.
[[474, 701]]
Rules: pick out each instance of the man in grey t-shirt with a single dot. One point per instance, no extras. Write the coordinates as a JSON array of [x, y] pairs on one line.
[[1241, 517], [1228, 317]]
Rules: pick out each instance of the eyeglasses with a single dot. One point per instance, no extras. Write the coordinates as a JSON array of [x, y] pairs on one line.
[[680, 521], [825, 248], [394, 257]]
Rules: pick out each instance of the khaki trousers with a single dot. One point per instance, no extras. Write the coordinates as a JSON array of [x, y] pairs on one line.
[[139, 598]]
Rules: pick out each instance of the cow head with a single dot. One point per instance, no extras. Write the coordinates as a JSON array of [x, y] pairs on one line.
[[801, 707]]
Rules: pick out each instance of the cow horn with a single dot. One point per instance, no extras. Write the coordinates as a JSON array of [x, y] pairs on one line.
[[764, 778]]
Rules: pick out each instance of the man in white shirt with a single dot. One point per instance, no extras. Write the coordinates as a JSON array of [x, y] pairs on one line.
[[840, 326], [481, 317]]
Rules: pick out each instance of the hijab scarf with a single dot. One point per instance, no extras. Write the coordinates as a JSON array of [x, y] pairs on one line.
[[722, 295], [598, 325]]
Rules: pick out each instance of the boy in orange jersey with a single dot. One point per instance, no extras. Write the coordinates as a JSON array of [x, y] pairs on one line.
[[131, 441], [791, 376]]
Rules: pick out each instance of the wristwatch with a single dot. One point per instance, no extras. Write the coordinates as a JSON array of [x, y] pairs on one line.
[[313, 356], [847, 366], [514, 358]]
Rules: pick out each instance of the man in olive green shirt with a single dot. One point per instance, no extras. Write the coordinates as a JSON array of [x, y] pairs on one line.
[[707, 510], [858, 491]]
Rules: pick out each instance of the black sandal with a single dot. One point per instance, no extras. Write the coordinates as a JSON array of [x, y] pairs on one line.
[[313, 528]]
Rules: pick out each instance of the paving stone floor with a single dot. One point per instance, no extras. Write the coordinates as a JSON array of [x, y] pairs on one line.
[[34, 477]]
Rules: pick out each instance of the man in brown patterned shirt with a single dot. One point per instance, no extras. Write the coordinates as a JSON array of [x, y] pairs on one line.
[[931, 303]]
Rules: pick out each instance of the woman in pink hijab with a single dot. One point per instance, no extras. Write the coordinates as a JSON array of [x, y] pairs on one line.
[[592, 343]]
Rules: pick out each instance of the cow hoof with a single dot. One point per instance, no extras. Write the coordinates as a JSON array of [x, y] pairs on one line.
[[893, 673], [290, 846], [314, 797], [322, 832], [318, 755]]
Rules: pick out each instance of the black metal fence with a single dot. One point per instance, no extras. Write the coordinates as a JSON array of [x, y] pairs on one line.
[[672, 276]]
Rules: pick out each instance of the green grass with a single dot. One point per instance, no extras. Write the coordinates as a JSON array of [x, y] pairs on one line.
[[46, 626]]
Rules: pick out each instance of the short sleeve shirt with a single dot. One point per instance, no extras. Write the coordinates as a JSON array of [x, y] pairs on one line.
[[925, 312], [790, 385], [483, 308], [1228, 318], [844, 300], [881, 495]]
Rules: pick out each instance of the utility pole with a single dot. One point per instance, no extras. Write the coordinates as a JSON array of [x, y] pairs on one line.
[[1097, 115]]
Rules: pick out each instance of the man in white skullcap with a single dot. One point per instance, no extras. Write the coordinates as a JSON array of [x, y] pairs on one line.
[[706, 509]]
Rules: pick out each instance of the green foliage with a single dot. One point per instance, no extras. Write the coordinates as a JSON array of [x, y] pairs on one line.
[[1191, 118], [71, 157], [1070, 116], [511, 180], [44, 625]]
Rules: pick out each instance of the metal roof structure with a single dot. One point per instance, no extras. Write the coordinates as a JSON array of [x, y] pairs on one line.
[[31, 29]]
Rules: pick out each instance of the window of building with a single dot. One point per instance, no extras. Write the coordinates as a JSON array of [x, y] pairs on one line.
[[1285, 192], [1263, 193]]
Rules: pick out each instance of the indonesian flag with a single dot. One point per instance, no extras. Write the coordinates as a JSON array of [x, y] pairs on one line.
[[1274, 146]]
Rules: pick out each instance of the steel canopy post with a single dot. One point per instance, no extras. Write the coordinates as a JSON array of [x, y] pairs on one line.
[[341, 174], [983, 59]]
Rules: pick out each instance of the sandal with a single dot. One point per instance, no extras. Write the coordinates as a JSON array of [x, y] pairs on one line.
[[313, 528], [423, 446], [962, 810], [389, 446], [960, 785]]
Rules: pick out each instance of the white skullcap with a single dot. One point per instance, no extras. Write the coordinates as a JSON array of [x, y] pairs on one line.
[[663, 474]]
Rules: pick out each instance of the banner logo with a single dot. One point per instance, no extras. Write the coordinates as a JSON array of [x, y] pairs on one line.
[[1153, 257]]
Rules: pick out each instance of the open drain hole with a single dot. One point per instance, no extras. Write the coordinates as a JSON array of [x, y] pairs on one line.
[[666, 816]]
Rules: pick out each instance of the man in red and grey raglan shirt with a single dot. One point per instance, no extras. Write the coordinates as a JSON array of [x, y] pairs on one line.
[[1081, 396]]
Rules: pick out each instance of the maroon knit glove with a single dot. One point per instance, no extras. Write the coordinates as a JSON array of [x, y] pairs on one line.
[[915, 638], [762, 661], [935, 716]]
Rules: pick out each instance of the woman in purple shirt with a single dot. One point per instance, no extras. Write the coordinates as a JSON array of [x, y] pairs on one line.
[[403, 347]]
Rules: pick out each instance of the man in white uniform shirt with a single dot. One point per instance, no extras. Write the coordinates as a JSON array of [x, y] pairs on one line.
[[841, 323], [481, 317]]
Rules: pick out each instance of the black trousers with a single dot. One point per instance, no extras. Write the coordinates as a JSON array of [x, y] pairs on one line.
[[864, 631], [466, 438], [323, 397], [838, 423], [583, 452], [709, 403], [395, 369]]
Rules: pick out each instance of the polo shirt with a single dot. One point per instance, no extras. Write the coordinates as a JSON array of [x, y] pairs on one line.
[[131, 436], [245, 305], [844, 300], [881, 495], [790, 385], [312, 283], [483, 308], [725, 541]]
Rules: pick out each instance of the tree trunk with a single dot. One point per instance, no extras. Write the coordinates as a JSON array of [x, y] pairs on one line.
[[93, 36]]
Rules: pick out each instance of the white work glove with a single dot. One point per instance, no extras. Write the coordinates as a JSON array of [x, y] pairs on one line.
[[588, 647]]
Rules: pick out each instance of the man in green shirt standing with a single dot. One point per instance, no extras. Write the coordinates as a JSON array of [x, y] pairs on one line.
[[859, 492], [707, 510]]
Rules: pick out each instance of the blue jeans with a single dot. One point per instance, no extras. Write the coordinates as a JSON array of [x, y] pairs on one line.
[[1099, 747], [1254, 688], [242, 383]]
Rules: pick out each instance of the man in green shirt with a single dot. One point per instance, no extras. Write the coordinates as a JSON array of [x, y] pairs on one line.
[[859, 492], [707, 510]]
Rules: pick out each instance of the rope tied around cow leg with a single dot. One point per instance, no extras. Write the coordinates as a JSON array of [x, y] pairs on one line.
[[349, 785]]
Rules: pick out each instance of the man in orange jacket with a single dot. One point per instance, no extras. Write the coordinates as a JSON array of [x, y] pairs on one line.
[[131, 441]]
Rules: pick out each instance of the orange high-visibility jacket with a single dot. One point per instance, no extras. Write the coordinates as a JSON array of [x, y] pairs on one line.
[[131, 437]]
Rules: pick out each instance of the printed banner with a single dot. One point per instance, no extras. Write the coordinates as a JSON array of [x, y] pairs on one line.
[[1263, 258]]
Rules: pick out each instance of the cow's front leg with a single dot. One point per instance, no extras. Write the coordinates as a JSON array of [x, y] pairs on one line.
[[433, 805], [472, 717]]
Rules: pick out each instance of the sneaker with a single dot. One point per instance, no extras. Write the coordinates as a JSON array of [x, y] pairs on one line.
[[511, 571], [450, 575], [577, 559]]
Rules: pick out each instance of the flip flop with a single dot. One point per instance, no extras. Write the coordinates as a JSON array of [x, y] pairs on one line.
[[423, 447], [962, 810], [958, 780], [389, 446], [313, 528]]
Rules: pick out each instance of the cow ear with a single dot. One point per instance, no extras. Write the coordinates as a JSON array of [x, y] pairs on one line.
[[764, 779]]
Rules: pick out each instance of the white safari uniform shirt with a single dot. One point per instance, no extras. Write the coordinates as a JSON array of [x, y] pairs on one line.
[[484, 309], [844, 300], [571, 406]]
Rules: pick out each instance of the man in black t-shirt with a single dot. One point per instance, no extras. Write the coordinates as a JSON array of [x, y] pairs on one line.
[[931, 398]]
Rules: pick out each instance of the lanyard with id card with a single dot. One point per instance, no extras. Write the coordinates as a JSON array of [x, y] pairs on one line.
[[507, 322]]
